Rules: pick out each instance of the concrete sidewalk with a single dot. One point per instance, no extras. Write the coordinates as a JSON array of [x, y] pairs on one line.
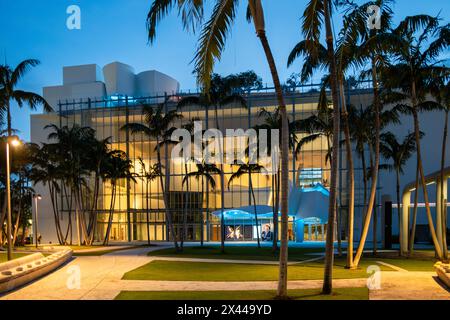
[[100, 278]]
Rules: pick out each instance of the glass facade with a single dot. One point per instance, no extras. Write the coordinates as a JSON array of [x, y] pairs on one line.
[[141, 201]]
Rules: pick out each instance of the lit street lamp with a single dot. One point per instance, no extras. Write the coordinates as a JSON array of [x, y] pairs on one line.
[[36, 197], [15, 142]]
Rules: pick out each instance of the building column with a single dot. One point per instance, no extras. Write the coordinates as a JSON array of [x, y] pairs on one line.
[[404, 222], [299, 230]]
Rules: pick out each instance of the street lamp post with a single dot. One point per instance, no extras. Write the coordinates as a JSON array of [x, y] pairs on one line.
[[14, 141], [36, 197]]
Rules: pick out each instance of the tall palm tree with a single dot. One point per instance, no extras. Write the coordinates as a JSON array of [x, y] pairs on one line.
[[148, 175], [420, 41], [98, 154], [206, 173], [372, 52], [74, 165], [248, 168], [441, 93], [399, 153], [118, 167], [211, 45], [9, 79], [317, 13], [158, 126], [316, 57], [45, 170]]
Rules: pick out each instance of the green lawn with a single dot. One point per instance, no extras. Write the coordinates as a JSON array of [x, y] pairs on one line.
[[105, 251], [409, 264], [204, 271], [15, 255], [303, 294], [236, 253]]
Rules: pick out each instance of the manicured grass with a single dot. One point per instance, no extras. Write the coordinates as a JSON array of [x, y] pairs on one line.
[[15, 255], [105, 251], [303, 294], [410, 264], [204, 271], [236, 253]]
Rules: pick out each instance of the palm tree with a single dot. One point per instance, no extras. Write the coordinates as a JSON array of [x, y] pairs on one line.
[[317, 13], [317, 125], [371, 51], [118, 167], [73, 150], [97, 155], [204, 172], [9, 79], [273, 121], [316, 57], [158, 126], [148, 176], [399, 153], [222, 91], [414, 66], [441, 93], [45, 170], [211, 45], [248, 168]]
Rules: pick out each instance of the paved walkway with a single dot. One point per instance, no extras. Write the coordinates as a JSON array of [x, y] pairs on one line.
[[101, 279], [410, 286]]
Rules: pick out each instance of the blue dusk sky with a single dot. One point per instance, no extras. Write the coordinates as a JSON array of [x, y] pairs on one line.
[[114, 30]]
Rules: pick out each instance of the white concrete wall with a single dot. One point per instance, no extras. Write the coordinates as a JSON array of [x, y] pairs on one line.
[[432, 124], [82, 74], [119, 79], [151, 83]]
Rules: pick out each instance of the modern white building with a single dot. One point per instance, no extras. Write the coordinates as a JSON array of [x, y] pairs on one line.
[[115, 79], [106, 99]]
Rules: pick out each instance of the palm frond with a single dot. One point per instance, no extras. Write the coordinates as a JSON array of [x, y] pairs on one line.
[[31, 99], [158, 10], [313, 18], [212, 40], [21, 69]]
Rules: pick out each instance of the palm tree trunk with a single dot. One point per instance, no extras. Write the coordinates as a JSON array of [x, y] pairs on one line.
[[397, 191], [374, 230], [185, 208], [412, 235], [110, 217], [254, 208], [442, 195], [275, 210], [222, 188], [201, 213], [351, 176], [282, 282], [166, 197], [364, 171], [373, 189], [329, 247], [147, 214], [258, 20], [422, 175]]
